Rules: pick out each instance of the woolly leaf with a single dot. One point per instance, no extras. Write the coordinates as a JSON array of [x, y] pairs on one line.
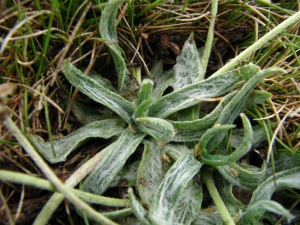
[[242, 175], [150, 171], [189, 204], [243, 148], [253, 212], [65, 145], [111, 164], [98, 93], [187, 67], [234, 108], [137, 209], [108, 31], [158, 128], [168, 194], [209, 88]]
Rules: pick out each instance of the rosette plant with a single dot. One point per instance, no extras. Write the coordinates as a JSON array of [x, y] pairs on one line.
[[183, 148]]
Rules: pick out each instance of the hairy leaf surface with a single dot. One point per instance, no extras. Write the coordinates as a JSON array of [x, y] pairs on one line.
[[209, 88], [107, 29], [111, 164], [98, 93], [178, 176], [65, 145]]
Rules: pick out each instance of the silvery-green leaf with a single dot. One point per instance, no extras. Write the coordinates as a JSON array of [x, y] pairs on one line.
[[107, 29], [225, 190], [284, 160], [111, 164], [188, 136], [150, 171], [98, 93], [208, 88], [284, 180], [253, 212], [205, 122], [259, 135], [242, 149], [187, 67], [189, 204], [164, 202], [103, 82], [138, 209], [86, 113], [65, 145], [209, 133], [142, 109], [161, 83], [145, 91], [158, 128], [209, 216], [257, 97], [234, 107], [127, 176], [244, 176], [175, 150]]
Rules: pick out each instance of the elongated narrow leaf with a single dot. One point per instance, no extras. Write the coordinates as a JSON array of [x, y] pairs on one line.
[[162, 82], [209, 88], [137, 209], [65, 145], [205, 122], [103, 174], [244, 176], [255, 97], [284, 160], [189, 204], [158, 128], [127, 176], [107, 29], [187, 68], [209, 216], [225, 190], [143, 109], [252, 215], [205, 138], [98, 93], [150, 172], [87, 113], [284, 180], [259, 135], [145, 92], [243, 148], [234, 108], [179, 175]]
